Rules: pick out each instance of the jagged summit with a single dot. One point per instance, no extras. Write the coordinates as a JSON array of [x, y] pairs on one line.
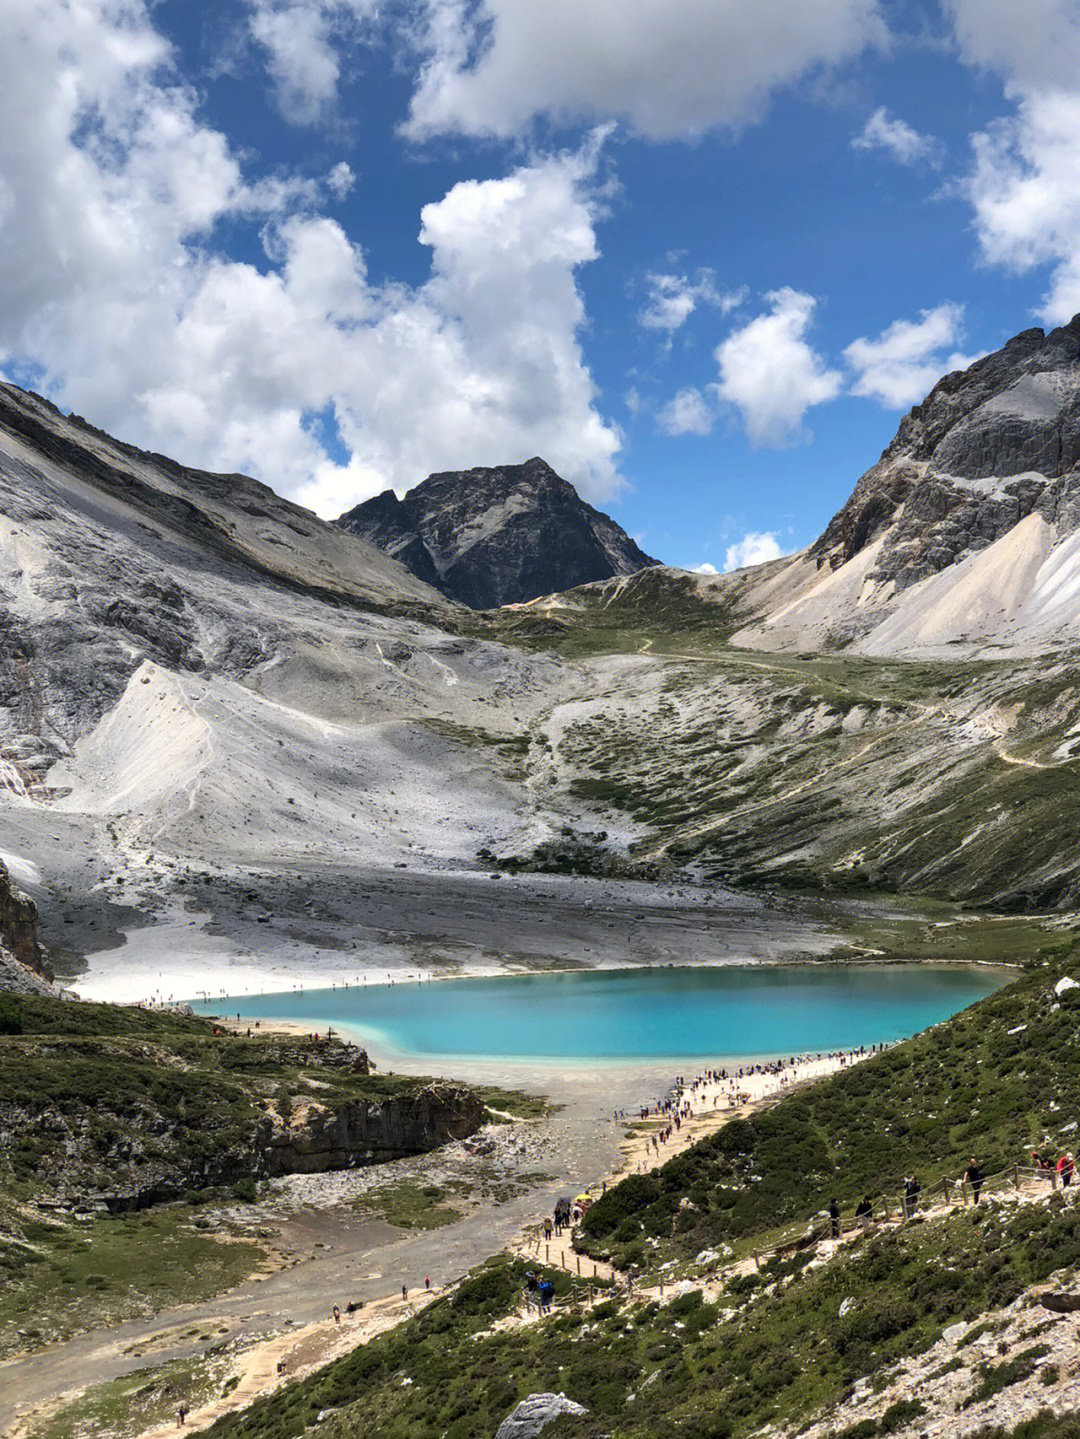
[[490, 537], [967, 530]]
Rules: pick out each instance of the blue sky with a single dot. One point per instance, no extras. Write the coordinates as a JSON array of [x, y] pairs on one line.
[[701, 255]]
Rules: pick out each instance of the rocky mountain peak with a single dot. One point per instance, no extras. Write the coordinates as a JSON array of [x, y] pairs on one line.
[[496, 536], [987, 447]]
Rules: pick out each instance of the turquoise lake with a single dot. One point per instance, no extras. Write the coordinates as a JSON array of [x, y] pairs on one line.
[[729, 1012]]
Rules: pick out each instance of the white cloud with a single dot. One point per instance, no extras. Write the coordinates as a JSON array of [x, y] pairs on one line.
[[1023, 186], [1035, 45], [897, 138], [674, 298], [110, 190], [770, 372], [1026, 197], [704, 569], [689, 413], [752, 549], [666, 67], [303, 40], [907, 359]]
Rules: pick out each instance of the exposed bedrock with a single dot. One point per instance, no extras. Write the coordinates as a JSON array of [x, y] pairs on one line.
[[322, 1137], [23, 967]]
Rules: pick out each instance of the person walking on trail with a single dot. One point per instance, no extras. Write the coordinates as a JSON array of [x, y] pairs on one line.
[[912, 1189], [973, 1175], [865, 1212], [181, 1414], [1065, 1167], [404, 1291], [337, 1315], [427, 1282], [548, 1229], [834, 1219]]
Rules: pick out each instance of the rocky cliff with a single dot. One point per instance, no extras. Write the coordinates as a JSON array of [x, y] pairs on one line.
[[23, 967], [967, 530], [319, 1137], [490, 537], [988, 446]]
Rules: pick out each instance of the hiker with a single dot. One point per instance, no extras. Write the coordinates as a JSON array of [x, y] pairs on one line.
[[181, 1413], [1065, 1167], [427, 1282], [548, 1228], [547, 1292], [912, 1189], [865, 1212], [404, 1291], [834, 1219], [337, 1315], [973, 1175]]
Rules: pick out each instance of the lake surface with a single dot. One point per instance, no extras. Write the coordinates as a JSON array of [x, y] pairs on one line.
[[729, 1011]]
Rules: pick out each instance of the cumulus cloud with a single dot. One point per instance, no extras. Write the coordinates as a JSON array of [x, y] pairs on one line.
[[674, 298], [302, 41], [908, 358], [666, 69], [704, 569], [897, 138], [1023, 186], [689, 413], [770, 372], [116, 301], [752, 549]]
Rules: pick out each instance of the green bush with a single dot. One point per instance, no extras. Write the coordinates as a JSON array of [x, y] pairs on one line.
[[11, 1020]]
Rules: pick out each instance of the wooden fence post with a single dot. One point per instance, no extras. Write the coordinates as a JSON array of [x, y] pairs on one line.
[[1016, 1176]]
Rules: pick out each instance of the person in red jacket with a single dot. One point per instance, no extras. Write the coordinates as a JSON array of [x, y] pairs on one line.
[[1065, 1167]]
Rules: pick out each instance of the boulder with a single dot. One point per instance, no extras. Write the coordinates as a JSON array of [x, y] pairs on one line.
[[534, 1414]]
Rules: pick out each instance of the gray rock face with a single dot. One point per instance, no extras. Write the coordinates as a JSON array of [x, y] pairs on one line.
[[23, 968], [490, 537], [534, 1414], [347, 1134], [988, 446]]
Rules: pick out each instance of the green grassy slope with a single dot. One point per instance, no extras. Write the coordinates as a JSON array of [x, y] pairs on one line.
[[117, 1100], [954, 780], [655, 611]]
